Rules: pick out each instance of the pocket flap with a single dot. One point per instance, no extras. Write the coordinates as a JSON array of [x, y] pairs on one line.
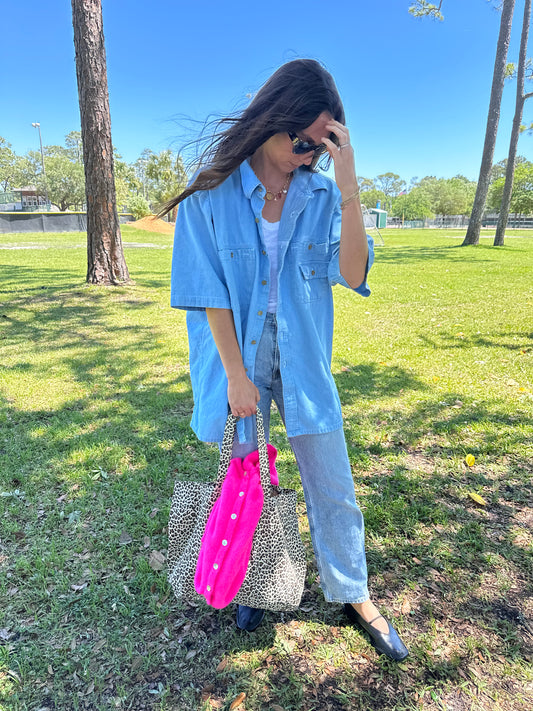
[[312, 270]]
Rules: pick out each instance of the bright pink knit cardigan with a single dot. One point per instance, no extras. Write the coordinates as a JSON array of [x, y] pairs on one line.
[[228, 536]]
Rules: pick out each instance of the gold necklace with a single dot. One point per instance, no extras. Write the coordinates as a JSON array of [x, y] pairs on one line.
[[278, 194]]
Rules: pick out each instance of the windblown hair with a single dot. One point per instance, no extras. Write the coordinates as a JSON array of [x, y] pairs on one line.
[[290, 100]]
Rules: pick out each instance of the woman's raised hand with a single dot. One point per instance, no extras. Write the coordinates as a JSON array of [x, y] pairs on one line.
[[343, 158]]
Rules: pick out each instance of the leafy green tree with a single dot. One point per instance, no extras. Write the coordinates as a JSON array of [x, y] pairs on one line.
[[140, 172], [412, 206], [370, 198], [365, 183], [499, 168], [127, 183], [28, 169], [65, 181], [166, 172], [522, 196], [389, 183], [494, 198], [522, 200], [74, 146], [56, 151], [448, 196], [7, 166]]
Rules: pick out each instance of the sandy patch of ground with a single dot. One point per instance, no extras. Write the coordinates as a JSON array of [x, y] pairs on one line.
[[154, 224]]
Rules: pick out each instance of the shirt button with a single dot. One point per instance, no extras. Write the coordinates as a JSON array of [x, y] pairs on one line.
[[259, 313], [246, 370], [309, 246], [254, 342], [264, 282], [312, 272], [209, 588], [215, 566], [241, 493], [257, 219], [224, 542], [233, 516], [264, 251]]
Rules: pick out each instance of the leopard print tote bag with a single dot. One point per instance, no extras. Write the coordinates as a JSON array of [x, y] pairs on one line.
[[275, 575]]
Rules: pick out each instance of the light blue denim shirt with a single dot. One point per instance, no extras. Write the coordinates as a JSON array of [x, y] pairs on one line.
[[219, 261]]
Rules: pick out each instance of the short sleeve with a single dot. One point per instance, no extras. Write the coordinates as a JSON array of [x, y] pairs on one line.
[[334, 273], [197, 277]]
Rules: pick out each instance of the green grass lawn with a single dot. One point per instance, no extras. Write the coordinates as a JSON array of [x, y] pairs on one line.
[[95, 403]]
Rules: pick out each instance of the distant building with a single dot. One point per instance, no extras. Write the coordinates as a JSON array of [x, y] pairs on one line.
[[25, 199]]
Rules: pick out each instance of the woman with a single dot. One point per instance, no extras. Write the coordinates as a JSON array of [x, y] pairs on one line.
[[260, 240]]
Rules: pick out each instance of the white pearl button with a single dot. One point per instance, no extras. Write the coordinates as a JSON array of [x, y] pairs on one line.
[[215, 566], [209, 587], [241, 493], [233, 516], [224, 542]]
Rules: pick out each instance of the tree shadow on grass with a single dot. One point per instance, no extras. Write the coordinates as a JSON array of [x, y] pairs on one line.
[[34, 279], [445, 253], [94, 477], [512, 341], [73, 327], [373, 380], [429, 546]]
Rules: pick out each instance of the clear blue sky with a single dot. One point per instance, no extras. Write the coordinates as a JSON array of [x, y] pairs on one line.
[[416, 92]]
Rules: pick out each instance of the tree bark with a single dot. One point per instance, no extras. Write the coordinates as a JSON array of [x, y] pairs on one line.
[[474, 226], [515, 133], [105, 256]]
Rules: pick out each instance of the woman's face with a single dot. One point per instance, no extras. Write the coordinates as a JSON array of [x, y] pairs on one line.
[[278, 148]]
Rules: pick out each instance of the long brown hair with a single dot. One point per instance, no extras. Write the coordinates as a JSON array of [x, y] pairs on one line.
[[290, 100]]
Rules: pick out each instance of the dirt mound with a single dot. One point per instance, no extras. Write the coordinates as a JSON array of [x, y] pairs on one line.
[[154, 224]]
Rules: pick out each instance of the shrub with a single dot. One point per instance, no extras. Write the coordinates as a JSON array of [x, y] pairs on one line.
[[138, 206]]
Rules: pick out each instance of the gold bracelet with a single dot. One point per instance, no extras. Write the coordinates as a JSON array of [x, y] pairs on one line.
[[349, 199]]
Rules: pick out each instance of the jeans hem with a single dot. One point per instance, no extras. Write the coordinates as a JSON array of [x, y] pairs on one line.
[[357, 601]]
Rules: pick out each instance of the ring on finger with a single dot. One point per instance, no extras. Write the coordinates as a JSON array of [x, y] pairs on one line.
[[344, 145]]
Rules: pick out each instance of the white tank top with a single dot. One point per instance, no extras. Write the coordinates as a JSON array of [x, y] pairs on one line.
[[270, 237]]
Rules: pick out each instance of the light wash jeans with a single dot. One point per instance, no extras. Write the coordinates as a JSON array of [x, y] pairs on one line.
[[335, 520]]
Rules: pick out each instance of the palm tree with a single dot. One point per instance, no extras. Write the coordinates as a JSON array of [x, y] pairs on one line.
[[474, 226], [517, 120]]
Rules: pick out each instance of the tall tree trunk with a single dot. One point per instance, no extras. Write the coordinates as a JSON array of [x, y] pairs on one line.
[[515, 133], [105, 256], [474, 227]]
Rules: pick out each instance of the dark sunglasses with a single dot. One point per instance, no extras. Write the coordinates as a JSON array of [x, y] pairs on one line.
[[300, 147]]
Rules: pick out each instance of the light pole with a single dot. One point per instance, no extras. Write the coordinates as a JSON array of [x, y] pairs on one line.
[[38, 126]]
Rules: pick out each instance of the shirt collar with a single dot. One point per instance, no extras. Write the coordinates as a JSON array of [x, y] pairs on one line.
[[302, 179], [249, 179]]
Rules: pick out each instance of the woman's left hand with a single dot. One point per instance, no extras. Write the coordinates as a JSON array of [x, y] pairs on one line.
[[343, 158]]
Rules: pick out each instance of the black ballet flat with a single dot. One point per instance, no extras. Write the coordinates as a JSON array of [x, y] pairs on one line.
[[389, 644], [249, 618]]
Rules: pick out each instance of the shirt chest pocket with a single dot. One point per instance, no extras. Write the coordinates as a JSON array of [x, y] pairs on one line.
[[239, 265], [313, 282], [238, 258]]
